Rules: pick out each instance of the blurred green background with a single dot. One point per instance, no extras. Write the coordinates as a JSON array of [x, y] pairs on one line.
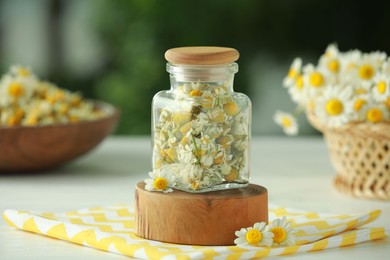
[[114, 50]]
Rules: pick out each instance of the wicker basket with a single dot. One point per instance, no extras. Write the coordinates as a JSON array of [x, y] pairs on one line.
[[360, 154]]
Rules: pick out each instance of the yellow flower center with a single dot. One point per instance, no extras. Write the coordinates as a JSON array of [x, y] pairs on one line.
[[280, 234], [253, 236], [316, 79], [286, 122], [195, 185], [299, 82], [16, 89], [292, 73], [160, 183], [374, 115], [360, 91], [381, 87], [334, 107], [23, 72], [359, 103], [366, 72], [196, 93], [334, 65]]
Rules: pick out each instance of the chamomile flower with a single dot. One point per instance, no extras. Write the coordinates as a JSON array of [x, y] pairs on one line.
[[334, 107], [15, 89], [298, 91], [160, 181], [376, 113], [381, 88], [360, 87], [22, 71], [283, 235], [293, 73], [369, 65], [349, 64], [359, 103], [316, 79], [287, 122], [258, 235], [330, 60]]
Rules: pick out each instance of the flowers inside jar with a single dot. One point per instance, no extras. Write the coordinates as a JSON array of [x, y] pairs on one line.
[[201, 136]]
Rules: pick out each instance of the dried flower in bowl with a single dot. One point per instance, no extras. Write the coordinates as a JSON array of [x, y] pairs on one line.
[[25, 100]]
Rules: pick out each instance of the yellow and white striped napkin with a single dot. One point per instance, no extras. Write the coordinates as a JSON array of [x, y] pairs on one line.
[[112, 229]]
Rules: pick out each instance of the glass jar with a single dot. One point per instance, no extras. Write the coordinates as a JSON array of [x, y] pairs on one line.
[[201, 128]]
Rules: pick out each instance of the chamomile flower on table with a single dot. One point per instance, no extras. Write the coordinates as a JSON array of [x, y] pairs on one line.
[[335, 106], [293, 73], [160, 181], [258, 235], [282, 232], [287, 121]]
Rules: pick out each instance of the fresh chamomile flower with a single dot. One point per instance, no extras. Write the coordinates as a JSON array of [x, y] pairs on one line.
[[258, 235], [298, 91], [293, 73], [334, 107], [160, 181], [287, 121], [376, 113], [360, 87], [381, 88], [330, 60], [283, 233], [369, 65], [386, 67], [349, 62], [316, 79], [359, 102]]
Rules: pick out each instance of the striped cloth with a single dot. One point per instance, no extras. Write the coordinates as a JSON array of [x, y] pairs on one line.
[[112, 229]]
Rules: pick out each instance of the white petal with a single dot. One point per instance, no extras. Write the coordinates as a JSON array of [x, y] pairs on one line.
[[149, 181], [259, 225], [267, 241], [268, 234], [240, 241], [275, 223]]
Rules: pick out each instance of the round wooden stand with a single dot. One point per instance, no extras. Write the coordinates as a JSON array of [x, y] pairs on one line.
[[198, 219]]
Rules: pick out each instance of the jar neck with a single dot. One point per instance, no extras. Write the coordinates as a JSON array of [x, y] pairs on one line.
[[221, 75]]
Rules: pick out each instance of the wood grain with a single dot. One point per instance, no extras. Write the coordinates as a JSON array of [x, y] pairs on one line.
[[198, 219], [44, 147], [201, 55]]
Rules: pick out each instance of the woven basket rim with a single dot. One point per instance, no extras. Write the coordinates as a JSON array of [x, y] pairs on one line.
[[379, 130]]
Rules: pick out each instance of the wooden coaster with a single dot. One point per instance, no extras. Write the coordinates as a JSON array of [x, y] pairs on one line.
[[198, 219]]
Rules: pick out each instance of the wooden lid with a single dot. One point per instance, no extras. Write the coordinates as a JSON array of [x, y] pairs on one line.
[[201, 55]]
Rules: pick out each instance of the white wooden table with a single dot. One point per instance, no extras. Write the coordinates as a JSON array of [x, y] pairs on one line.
[[296, 172]]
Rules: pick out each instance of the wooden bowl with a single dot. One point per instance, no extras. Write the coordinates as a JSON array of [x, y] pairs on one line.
[[43, 147]]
